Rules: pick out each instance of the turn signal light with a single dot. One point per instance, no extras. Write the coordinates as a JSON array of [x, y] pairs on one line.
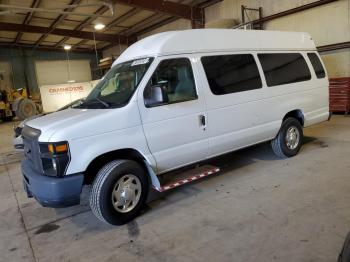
[[61, 148], [51, 148]]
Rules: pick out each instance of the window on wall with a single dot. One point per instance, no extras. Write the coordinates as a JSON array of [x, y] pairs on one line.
[[284, 68], [228, 74], [175, 76], [317, 65]]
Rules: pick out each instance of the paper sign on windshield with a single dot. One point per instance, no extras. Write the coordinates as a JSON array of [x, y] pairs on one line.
[[140, 62]]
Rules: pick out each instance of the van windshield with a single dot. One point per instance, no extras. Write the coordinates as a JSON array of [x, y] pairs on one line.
[[118, 85]]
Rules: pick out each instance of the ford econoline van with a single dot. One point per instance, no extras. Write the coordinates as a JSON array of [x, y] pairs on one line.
[[171, 100]]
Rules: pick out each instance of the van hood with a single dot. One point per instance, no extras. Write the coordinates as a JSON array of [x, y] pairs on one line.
[[77, 123]]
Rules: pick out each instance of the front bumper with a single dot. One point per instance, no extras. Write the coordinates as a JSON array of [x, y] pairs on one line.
[[52, 191]]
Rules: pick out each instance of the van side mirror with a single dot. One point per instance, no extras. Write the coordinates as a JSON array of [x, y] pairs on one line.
[[155, 95]]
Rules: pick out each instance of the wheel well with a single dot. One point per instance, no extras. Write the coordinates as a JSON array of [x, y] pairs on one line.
[[297, 114], [95, 165]]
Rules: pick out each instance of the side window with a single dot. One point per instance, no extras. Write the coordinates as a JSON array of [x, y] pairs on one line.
[[317, 65], [231, 73], [175, 78], [284, 68]]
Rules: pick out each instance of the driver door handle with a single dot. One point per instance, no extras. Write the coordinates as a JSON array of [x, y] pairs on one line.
[[202, 121]]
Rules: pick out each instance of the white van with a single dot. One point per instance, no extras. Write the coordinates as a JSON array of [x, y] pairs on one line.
[[171, 100]]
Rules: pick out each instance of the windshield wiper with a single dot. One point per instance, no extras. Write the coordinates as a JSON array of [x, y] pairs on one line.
[[102, 102]]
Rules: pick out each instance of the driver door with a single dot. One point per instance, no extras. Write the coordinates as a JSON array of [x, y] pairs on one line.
[[176, 128]]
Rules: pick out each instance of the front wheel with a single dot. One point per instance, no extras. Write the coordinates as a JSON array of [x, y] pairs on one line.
[[119, 192], [289, 139]]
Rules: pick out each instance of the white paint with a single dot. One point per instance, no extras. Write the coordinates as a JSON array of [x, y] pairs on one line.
[[171, 136], [202, 40]]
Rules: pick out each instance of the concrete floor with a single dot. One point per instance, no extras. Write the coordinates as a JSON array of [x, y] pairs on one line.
[[259, 208]]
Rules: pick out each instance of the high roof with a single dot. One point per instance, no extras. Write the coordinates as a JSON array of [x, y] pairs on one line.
[[204, 40]]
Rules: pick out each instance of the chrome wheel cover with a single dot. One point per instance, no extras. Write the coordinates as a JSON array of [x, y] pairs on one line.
[[292, 138], [126, 193]]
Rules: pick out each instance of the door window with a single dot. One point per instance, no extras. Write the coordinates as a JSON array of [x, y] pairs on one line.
[[175, 77]]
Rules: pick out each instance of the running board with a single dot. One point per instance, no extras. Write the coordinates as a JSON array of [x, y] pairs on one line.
[[189, 176]]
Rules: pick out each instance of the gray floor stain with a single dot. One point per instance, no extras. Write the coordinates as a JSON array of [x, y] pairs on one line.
[[47, 228], [320, 143], [133, 229]]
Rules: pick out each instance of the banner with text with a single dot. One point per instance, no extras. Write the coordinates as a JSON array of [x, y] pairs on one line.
[[54, 97]]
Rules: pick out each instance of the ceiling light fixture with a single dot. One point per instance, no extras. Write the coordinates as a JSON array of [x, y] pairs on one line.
[[67, 47], [99, 26]]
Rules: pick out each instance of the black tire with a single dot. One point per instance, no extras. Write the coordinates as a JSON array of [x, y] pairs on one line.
[[102, 188], [279, 144], [26, 108], [344, 255]]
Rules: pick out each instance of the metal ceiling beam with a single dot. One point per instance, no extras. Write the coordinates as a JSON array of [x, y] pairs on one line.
[[63, 32], [122, 18], [145, 29], [333, 47], [41, 48], [18, 9], [208, 3], [142, 24], [58, 20], [27, 19], [295, 10], [197, 16], [86, 22], [166, 7], [155, 26], [287, 12], [115, 22]]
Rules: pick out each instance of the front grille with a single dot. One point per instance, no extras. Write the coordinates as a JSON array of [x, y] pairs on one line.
[[31, 147]]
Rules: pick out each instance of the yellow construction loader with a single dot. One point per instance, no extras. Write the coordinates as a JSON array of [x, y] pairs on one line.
[[16, 103]]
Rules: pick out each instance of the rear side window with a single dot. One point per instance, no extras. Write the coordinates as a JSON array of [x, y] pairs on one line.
[[317, 65], [284, 68], [231, 73]]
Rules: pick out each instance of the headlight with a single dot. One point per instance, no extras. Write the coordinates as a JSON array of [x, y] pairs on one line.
[[55, 158]]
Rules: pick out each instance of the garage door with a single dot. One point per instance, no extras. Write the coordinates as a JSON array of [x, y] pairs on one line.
[[56, 71]]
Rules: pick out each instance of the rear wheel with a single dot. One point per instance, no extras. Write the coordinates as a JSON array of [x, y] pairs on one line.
[[289, 139], [119, 192]]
